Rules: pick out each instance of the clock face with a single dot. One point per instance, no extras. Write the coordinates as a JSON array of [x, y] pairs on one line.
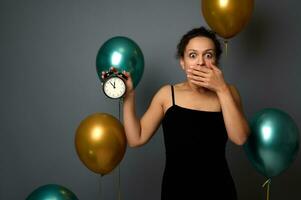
[[114, 87]]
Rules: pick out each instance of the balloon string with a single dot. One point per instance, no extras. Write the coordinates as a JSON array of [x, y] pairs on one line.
[[268, 183], [119, 116], [119, 191], [100, 191], [119, 109], [226, 47]]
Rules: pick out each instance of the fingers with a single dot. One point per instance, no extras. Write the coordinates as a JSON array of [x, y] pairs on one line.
[[213, 66], [201, 83], [127, 74], [123, 75], [199, 75], [199, 71], [197, 78]]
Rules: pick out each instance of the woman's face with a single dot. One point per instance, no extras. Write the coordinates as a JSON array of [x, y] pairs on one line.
[[200, 51]]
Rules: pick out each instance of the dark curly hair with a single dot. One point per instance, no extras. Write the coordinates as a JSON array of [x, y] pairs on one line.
[[199, 32]]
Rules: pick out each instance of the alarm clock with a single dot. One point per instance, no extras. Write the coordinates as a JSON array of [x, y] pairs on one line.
[[114, 86]]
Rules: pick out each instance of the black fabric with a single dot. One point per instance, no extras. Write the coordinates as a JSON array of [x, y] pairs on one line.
[[196, 167]]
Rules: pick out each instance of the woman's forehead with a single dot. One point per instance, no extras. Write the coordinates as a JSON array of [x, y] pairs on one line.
[[200, 43]]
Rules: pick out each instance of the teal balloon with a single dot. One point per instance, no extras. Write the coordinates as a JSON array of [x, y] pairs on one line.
[[274, 142], [50, 192], [123, 54]]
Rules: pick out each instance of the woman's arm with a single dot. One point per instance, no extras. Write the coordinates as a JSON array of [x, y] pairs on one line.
[[211, 77], [236, 124], [139, 131]]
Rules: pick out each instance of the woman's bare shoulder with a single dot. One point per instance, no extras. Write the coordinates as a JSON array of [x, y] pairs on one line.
[[165, 90], [161, 94]]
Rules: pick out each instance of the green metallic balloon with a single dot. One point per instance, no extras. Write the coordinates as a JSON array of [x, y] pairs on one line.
[[52, 191], [274, 142], [123, 54]]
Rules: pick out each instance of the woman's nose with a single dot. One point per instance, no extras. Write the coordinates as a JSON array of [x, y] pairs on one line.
[[201, 61]]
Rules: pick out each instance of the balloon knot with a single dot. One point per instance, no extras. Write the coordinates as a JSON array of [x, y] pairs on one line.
[[267, 182]]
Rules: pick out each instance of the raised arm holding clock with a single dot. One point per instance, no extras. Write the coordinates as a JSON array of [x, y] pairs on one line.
[[198, 116]]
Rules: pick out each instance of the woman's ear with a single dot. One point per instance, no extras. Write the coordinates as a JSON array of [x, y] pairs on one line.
[[182, 63]]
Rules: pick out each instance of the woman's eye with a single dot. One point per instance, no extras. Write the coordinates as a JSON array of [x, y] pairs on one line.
[[208, 55], [192, 55]]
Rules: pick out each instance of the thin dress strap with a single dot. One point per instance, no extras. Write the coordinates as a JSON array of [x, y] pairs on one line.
[[173, 96]]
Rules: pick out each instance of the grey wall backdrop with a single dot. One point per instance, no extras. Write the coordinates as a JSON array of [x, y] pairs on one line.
[[48, 84]]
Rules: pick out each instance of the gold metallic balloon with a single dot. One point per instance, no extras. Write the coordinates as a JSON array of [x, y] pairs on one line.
[[227, 17], [100, 142]]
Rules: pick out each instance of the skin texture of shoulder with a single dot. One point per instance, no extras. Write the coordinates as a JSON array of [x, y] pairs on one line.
[[163, 96]]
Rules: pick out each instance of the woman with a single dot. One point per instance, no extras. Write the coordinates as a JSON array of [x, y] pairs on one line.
[[198, 116]]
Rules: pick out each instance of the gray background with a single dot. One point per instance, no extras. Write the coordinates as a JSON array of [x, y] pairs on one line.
[[48, 84]]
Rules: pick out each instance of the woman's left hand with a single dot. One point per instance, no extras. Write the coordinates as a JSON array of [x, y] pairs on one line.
[[208, 77]]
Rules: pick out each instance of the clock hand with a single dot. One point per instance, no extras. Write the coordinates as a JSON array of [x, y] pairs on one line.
[[112, 84]]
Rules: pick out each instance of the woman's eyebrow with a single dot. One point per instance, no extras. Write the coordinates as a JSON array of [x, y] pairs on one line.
[[206, 50]]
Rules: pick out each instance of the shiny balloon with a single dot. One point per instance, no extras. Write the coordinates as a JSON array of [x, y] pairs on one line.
[[123, 54], [274, 142], [227, 17], [100, 142], [52, 191]]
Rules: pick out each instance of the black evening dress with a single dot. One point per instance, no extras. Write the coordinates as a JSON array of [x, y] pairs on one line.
[[196, 166]]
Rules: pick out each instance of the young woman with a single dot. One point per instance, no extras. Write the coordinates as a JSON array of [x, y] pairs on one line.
[[198, 116]]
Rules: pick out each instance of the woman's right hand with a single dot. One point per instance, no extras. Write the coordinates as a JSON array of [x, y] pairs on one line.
[[128, 82]]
